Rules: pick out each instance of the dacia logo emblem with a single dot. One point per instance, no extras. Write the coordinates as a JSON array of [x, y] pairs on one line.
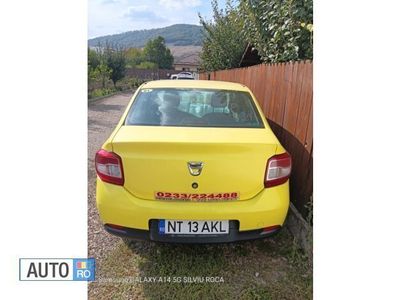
[[195, 167]]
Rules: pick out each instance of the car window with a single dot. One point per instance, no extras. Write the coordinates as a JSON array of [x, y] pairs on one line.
[[194, 108]]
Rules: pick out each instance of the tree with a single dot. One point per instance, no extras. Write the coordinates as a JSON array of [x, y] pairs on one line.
[[147, 65], [116, 62], [134, 57], [280, 30], [97, 67], [103, 72], [93, 60], [157, 52], [224, 40]]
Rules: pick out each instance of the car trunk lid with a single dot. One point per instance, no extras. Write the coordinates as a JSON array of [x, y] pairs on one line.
[[155, 160]]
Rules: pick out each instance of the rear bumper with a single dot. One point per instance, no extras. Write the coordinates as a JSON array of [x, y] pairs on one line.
[[117, 206], [153, 235]]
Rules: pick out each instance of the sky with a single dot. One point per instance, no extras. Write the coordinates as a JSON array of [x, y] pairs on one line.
[[116, 16]]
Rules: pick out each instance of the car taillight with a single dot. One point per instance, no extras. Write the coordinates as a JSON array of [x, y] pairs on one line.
[[278, 170], [109, 167]]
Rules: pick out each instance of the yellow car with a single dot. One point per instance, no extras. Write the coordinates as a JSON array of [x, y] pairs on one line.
[[192, 161]]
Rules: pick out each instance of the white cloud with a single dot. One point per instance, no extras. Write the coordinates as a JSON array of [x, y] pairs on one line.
[[179, 4], [142, 13], [109, 1]]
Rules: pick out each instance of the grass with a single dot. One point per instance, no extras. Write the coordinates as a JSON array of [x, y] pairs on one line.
[[274, 268], [101, 92]]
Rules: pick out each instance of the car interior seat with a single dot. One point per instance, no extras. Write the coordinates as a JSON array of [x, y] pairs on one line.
[[218, 100]]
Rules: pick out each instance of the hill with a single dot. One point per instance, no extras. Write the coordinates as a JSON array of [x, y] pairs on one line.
[[174, 35]]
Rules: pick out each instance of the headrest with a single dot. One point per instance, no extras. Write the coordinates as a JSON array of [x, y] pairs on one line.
[[235, 105], [171, 99], [219, 100]]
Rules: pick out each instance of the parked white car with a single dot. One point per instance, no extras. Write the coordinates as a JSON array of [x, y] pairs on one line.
[[182, 75]]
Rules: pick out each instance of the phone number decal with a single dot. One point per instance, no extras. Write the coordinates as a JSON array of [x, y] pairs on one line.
[[196, 197]]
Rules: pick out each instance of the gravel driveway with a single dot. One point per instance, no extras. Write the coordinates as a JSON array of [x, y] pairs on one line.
[[103, 115]]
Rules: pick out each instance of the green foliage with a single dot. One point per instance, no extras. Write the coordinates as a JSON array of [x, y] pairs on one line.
[[116, 61], [97, 67], [134, 82], [157, 52], [122, 85], [224, 40], [101, 72], [129, 83], [280, 30], [147, 65], [178, 35], [106, 63], [101, 92], [93, 60], [134, 56]]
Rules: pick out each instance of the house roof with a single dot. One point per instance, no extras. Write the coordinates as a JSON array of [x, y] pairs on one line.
[[191, 59]]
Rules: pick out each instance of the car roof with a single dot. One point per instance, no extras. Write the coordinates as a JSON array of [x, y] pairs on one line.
[[203, 84]]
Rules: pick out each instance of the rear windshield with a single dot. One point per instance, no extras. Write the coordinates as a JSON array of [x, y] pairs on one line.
[[194, 108]]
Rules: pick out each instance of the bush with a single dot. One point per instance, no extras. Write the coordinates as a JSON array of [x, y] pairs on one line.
[[148, 65], [280, 30], [222, 33], [135, 82], [129, 83], [123, 85], [101, 92]]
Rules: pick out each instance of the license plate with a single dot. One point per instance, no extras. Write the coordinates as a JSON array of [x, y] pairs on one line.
[[197, 197], [193, 227]]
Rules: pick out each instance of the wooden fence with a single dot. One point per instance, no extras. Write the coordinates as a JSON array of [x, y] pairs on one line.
[[285, 93]]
